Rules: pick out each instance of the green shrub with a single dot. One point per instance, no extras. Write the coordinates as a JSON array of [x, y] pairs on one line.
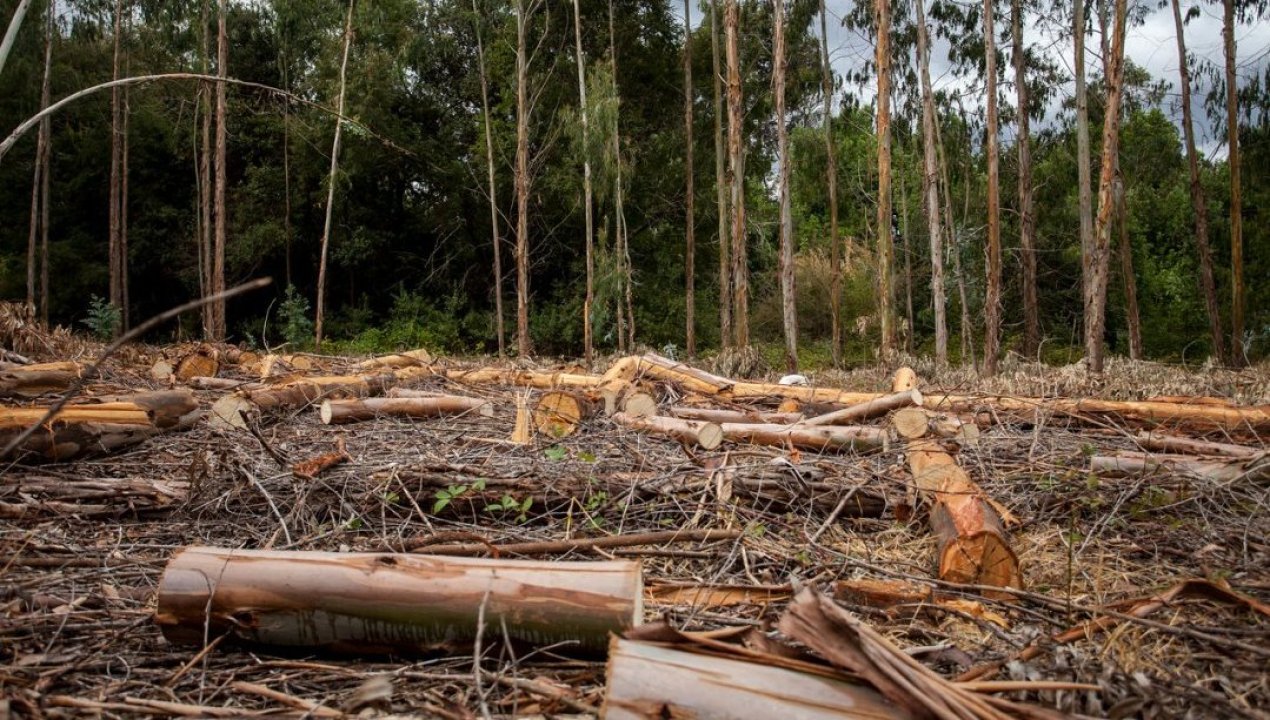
[[297, 328], [104, 319]]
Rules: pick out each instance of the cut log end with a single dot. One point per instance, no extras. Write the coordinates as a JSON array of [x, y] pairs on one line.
[[910, 423], [905, 379], [196, 365], [984, 558], [639, 404], [710, 436], [558, 414], [161, 371], [226, 412]]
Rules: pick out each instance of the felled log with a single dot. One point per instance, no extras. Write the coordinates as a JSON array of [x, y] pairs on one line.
[[410, 358], [972, 544], [96, 427], [522, 378], [203, 362], [338, 412], [1215, 469], [823, 437], [38, 496], [1200, 416], [39, 379], [303, 391], [647, 681], [734, 416], [869, 409], [1189, 446], [707, 435], [559, 413], [373, 603]]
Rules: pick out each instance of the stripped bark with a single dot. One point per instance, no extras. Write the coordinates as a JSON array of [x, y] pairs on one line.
[[1252, 469]]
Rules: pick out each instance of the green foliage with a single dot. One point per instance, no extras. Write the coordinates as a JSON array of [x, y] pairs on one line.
[[104, 319], [446, 496], [297, 328], [509, 504]]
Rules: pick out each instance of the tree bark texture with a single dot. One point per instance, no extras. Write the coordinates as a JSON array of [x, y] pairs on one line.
[[1098, 259], [116, 168], [721, 185], [495, 244], [736, 169], [930, 189], [992, 291], [886, 299], [619, 205], [789, 308], [1236, 191], [222, 140], [523, 345], [1084, 181], [1127, 274], [1027, 213], [1198, 204], [690, 243], [11, 34], [46, 150], [831, 183], [320, 313], [206, 189], [369, 603]]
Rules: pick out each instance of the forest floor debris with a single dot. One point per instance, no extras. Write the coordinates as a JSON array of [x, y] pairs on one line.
[[1102, 555]]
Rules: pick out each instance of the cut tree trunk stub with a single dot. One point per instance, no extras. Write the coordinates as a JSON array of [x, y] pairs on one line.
[[371, 603]]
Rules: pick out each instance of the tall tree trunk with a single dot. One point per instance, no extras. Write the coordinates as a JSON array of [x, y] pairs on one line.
[[992, 289], [1199, 206], [493, 194], [1126, 271], [330, 183], [1096, 262], [39, 191], [690, 250], [885, 292], [116, 167], [736, 158], [222, 141], [46, 149], [624, 257], [1027, 215], [523, 345], [789, 308], [1236, 191], [205, 180], [930, 188], [831, 183], [125, 304], [720, 185], [908, 268], [286, 158], [1084, 181]]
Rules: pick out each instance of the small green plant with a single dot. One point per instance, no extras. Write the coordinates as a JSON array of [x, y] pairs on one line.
[[444, 497], [595, 500], [555, 453], [355, 523], [586, 456], [297, 328], [104, 319], [511, 504]]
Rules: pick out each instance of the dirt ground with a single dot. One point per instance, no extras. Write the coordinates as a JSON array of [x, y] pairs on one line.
[[78, 577]]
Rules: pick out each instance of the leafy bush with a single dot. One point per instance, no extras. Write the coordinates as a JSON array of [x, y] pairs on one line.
[[297, 328], [104, 319]]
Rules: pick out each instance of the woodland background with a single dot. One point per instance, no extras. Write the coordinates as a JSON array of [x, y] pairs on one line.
[[410, 252]]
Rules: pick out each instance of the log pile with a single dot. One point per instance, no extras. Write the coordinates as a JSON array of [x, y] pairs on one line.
[[97, 426]]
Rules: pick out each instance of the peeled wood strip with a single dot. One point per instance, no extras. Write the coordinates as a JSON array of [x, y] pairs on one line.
[[869, 409], [33, 380], [410, 358], [21, 417], [734, 416], [1187, 446], [1204, 416], [687, 377], [1133, 463], [373, 603], [336, 412], [648, 680], [826, 437]]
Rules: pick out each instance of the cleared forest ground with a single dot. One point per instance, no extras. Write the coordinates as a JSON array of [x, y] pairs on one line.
[[85, 543]]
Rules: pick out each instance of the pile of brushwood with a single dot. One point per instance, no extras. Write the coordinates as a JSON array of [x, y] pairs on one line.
[[201, 530]]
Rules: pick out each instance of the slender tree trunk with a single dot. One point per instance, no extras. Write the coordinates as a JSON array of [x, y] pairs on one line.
[[624, 257], [205, 181], [330, 183], [39, 192], [789, 308], [690, 250], [493, 195], [885, 292], [1027, 214], [46, 149], [116, 158], [736, 158], [831, 182], [954, 244], [125, 304], [1096, 263], [222, 141], [286, 159], [523, 345], [1084, 181], [720, 186], [11, 34], [992, 291], [930, 188], [1236, 191], [1126, 271], [908, 268], [34, 231], [1198, 204]]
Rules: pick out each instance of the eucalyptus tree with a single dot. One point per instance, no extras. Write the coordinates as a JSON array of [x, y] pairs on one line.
[[331, 179]]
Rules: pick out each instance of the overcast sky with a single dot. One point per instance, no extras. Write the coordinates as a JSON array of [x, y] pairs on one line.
[[1151, 45]]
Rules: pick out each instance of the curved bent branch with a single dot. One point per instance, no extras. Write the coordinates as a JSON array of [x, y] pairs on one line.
[[34, 120]]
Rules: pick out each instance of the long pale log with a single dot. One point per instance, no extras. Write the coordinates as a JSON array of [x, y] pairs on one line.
[[708, 435], [648, 680], [1134, 463], [687, 377], [522, 378], [35, 380], [338, 412], [371, 603], [1188, 446], [825, 437], [86, 431], [972, 545], [303, 391], [735, 416], [410, 358], [1255, 417], [868, 409]]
